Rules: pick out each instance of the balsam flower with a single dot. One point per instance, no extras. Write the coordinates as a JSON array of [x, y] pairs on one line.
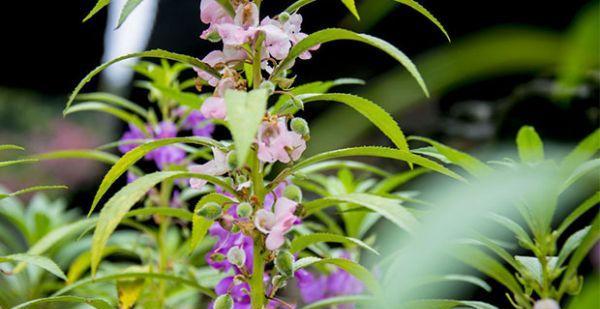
[[277, 143], [276, 223], [212, 14], [215, 167], [214, 108]]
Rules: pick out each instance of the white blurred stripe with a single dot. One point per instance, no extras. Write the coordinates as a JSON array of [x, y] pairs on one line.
[[131, 37]]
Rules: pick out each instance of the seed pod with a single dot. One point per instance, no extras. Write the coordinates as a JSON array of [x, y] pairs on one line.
[[232, 160], [268, 85], [285, 263], [244, 210], [236, 256], [223, 302], [211, 211], [300, 126], [284, 17], [278, 281], [293, 192]]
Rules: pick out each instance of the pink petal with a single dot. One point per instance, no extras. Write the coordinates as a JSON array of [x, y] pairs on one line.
[[264, 220], [214, 108], [284, 207], [274, 240]]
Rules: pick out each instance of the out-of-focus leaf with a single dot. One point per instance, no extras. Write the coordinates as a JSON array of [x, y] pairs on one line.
[[391, 182], [580, 210], [155, 53], [340, 300], [529, 145], [129, 291], [339, 164], [131, 157], [461, 278], [128, 8], [419, 8], [335, 34], [586, 149], [519, 232], [32, 189], [391, 209], [245, 111], [82, 263], [467, 162], [109, 98], [351, 5], [10, 147], [448, 304], [588, 298], [582, 170], [534, 267], [99, 6], [315, 88], [37, 260], [303, 241], [105, 108], [382, 152], [226, 4], [15, 162], [97, 303], [497, 52]]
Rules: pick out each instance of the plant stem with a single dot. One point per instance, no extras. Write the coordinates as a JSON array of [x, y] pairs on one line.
[[257, 289]]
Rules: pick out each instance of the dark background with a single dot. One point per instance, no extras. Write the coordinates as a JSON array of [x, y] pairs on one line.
[[46, 49]]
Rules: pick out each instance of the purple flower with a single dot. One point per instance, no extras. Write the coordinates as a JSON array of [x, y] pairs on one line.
[[134, 133], [216, 257], [337, 283], [199, 125], [239, 292]]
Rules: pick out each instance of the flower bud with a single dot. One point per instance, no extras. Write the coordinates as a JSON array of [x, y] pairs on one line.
[[210, 211], [285, 263], [232, 160], [284, 17], [278, 282], [269, 86], [214, 37], [223, 302], [285, 83], [293, 193], [236, 256], [300, 126], [546, 303], [244, 210]]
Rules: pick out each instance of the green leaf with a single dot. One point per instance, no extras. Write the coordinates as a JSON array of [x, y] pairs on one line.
[[571, 244], [419, 8], [588, 242], [382, 152], [351, 5], [341, 164], [32, 189], [112, 99], [391, 209], [581, 171], [97, 303], [105, 108], [131, 157], [15, 162], [155, 53], [10, 147], [37, 260], [129, 6], [200, 225], [487, 265], [81, 264], [460, 278], [447, 304], [470, 164], [89, 154], [133, 275], [119, 205], [99, 6], [339, 300], [129, 292], [334, 34], [586, 149], [245, 111], [519, 232], [178, 213], [377, 115], [226, 4], [188, 99], [303, 241], [534, 267], [394, 181], [580, 210], [530, 146], [353, 268], [313, 88]]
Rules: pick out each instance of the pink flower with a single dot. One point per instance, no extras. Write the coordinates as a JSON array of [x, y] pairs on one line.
[[214, 108], [291, 30], [277, 143], [215, 167], [212, 59], [276, 224], [213, 14]]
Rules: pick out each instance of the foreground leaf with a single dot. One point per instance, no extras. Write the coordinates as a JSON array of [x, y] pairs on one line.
[[37, 260], [32, 189], [530, 146], [340, 300], [127, 10], [245, 111], [99, 6], [447, 304], [335, 34]]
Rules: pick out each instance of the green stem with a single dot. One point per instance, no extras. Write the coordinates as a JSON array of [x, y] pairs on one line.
[[257, 289]]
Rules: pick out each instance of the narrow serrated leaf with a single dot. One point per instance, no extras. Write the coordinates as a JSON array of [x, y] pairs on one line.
[[97, 303], [303, 241], [128, 8], [99, 6], [37, 260], [419, 8]]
